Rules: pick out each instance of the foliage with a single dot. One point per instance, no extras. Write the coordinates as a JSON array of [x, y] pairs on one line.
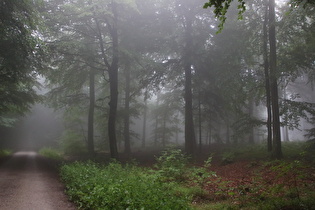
[[19, 56], [293, 112], [92, 186], [173, 166], [50, 153], [72, 143], [5, 152], [221, 7]]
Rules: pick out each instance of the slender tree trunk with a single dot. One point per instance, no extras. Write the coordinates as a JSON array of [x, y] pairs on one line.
[[91, 113], [285, 128], [144, 127], [156, 123], [176, 137], [113, 78], [113, 86], [164, 131], [190, 139], [277, 152], [127, 110], [228, 131], [200, 123], [267, 82], [251, 112]]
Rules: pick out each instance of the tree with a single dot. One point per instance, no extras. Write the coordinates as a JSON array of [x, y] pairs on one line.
[[166, 115], [110, 22], [97, 23], [190, 138], [277, 152], [267, 80], [221, 7], [18, 50]]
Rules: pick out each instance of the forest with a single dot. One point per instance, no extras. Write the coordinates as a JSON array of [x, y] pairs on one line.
[[183, 88]]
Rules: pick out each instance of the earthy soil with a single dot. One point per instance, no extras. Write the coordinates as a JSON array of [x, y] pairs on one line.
[[30, 181]]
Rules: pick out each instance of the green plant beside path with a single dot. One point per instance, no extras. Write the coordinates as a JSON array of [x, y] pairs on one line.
[[92, 186]]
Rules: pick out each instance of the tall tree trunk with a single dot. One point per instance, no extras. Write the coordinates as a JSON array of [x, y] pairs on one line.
[[200, 122], [144, 127], [251, 113], [156, 122], [113, 78], [277, 152], [127, 110], [91, 113], [190, 139], [113, 86], [267, 81], [228, 131], [164, 131], [285, 128]]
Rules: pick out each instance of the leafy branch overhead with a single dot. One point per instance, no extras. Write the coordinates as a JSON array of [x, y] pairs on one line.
[[221, 7]]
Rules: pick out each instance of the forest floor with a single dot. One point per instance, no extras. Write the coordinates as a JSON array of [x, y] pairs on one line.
[[251, 180], [236, 181], [30, 181]]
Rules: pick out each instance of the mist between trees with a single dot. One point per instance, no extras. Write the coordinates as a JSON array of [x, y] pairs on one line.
[[126, 76]]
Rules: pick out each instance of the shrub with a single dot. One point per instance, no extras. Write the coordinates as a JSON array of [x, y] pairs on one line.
[[172, 165], [114, 186]]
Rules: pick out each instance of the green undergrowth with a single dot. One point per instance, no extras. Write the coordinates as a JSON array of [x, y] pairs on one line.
[[175, 183], [94, 186], [5, 152], [50, 153]]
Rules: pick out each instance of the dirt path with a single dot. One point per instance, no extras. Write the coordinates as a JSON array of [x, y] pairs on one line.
[[29, 182]]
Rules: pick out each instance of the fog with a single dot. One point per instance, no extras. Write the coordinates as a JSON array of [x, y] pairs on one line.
[[41, 127], [147, 75]]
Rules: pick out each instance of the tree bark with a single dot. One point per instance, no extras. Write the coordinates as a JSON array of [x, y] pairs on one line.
[[113, 82], [127, 110], [91, 113], [251, 113], [144, 128], [277, 152], [113, 78], [164, 130], [267, 81], [190, 139], [200, 122], [156, 125]]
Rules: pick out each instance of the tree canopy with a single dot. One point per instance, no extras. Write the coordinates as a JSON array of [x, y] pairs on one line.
[[18, 45]]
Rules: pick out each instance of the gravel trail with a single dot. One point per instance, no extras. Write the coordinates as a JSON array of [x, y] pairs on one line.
[[30, 182]]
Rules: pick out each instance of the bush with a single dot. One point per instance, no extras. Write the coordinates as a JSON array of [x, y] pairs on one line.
[[172, 165], [92, 186]]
